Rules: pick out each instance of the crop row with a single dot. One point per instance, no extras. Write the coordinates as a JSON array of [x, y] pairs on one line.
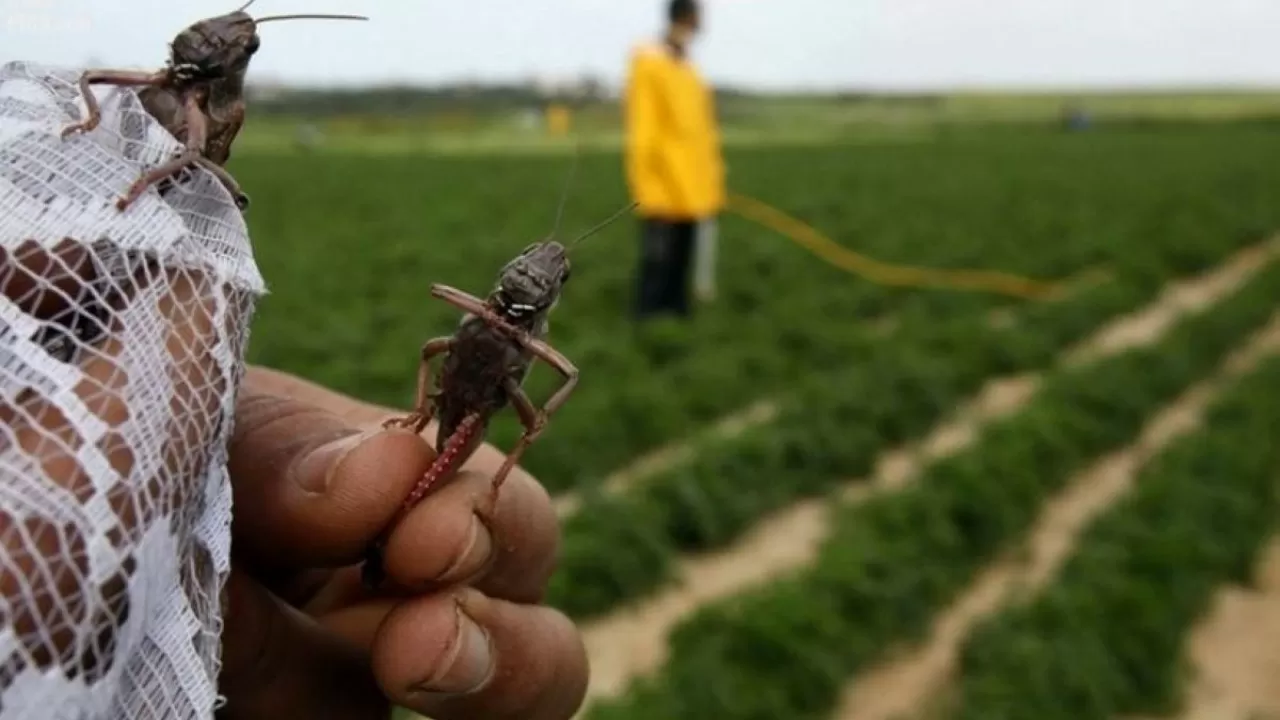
[[350, 244], [827, 433], [892, 563], [1105, 639]]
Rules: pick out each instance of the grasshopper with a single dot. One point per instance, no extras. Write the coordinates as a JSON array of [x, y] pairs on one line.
[[486, 361], [198, 96]]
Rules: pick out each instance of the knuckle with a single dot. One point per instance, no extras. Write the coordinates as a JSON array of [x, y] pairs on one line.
[[257, 411]]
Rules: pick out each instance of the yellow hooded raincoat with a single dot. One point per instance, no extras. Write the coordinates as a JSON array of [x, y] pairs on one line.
[[674, 166]]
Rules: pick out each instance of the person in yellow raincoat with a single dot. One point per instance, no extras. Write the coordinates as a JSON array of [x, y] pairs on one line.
[[674, 167]]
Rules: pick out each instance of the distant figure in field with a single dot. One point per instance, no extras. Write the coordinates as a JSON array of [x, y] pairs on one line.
[[1077, 119], [675, 171]]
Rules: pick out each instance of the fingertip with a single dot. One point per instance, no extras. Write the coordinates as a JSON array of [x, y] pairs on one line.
[[349, 494], [310, 489], [313, 472], [442, 543], [370, 481], [416, 642], [349, 460], [509, 553], [481, 657]]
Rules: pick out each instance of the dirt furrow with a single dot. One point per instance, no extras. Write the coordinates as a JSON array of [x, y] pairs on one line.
[[632, 642], [761, 412], [1235, 651], [670, 456], [904, 686], [1178, 299]]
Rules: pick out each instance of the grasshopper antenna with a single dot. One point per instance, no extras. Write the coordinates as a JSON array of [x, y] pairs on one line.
[[245, 6], [564, 192], [612, 218], [271, 18]]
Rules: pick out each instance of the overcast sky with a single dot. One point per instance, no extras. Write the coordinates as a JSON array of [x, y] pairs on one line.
[[776, 44]]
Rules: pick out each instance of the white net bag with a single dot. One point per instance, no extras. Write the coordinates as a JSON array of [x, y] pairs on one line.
[[122, 338]]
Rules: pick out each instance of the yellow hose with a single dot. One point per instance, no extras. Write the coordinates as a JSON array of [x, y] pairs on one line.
[[883, 273]]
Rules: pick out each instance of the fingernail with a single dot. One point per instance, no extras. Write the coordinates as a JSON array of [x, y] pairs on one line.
[[469, 664], [474, 557], [315, 472]]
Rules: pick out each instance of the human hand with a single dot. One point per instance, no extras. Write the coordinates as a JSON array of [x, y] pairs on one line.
[[315, 479], [111, 451], [118, 345]]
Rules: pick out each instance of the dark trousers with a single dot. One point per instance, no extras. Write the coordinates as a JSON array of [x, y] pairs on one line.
[[666, 259]]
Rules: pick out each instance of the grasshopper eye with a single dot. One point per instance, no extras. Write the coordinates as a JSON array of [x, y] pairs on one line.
[[564, 276], [254, 43]]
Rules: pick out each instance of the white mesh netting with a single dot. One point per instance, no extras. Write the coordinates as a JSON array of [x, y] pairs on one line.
[[121, 346]]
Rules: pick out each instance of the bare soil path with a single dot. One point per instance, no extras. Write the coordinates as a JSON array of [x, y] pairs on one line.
[[1236, 651], [758, 413], [632, 642], [907, 685]]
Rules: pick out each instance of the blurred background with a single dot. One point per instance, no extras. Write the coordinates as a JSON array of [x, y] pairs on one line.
[[853, 482]]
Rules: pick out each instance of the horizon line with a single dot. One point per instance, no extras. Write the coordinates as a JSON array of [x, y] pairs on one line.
[[974, 88]]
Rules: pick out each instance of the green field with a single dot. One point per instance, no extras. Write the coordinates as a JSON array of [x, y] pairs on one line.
[[397, 121], [349, 243]]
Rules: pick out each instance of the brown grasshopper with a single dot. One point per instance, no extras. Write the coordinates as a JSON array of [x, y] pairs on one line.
[[486, 361], [198, 96]]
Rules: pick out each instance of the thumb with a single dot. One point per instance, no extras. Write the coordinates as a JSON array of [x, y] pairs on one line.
[[354, 411], [311, 489]]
